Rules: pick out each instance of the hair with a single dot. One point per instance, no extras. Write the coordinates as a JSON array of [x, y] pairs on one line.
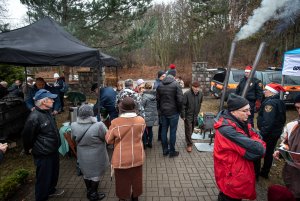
[[85, 111], [40, 79], [39, 102], [3, 83], [128, 83], [148, 85]]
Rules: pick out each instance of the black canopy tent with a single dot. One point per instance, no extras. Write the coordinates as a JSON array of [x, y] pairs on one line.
[[45, 43]]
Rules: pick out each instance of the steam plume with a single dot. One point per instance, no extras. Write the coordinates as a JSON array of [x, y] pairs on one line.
[[260, 15]]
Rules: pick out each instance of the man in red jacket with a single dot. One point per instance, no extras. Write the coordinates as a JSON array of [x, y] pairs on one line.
[[236, 146]]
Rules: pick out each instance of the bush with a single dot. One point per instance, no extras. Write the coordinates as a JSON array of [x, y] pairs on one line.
[[10, 184]]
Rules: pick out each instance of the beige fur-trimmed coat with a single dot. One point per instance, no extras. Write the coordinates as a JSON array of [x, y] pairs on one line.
[[126, 132]]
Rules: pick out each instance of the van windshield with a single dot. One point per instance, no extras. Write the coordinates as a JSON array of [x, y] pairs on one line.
[[291, 80]]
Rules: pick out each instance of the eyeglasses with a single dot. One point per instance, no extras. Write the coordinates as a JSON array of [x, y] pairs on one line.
[[245, 110]]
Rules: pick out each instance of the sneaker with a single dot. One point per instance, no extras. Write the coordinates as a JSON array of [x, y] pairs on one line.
[[189, 149], [174, 154], [58, 192]]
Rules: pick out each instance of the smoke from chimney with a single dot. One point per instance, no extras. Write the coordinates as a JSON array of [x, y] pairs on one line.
[[265, 12]]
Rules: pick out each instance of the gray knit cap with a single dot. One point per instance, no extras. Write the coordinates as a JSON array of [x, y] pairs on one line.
[[85, 111]]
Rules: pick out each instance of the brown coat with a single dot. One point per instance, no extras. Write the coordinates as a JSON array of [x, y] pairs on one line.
[[126, 135]]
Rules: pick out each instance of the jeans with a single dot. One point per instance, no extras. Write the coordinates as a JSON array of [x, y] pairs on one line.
[[172, 122], [47, 171], [148, 135]]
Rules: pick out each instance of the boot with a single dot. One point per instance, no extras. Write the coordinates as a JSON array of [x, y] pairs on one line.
[[134, 198], [94, 195], [88, 187]]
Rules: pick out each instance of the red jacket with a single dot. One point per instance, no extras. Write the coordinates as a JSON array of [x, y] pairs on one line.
[[234, 153]]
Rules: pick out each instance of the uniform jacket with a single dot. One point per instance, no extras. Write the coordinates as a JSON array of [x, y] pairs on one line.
[[150, 105], [126, 132], [271, 117], [236, 147], [191, 105], [169, 97], [91, 146], [40, 133], [255, 91]]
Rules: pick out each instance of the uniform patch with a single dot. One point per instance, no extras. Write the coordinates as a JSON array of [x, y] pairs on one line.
[[260, 85], [268, 108]]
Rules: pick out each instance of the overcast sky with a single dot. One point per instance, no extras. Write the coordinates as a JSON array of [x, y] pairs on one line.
[[17, 11]]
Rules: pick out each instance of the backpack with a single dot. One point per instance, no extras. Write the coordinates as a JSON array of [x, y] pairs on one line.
[[65, 88]]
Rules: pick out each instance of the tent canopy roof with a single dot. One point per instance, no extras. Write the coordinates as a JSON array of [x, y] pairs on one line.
[[45, 43]]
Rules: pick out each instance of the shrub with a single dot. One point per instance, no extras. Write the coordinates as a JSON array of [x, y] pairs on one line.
[[11, 183]]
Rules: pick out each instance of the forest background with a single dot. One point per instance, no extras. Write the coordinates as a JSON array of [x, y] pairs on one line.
[[143, 34]]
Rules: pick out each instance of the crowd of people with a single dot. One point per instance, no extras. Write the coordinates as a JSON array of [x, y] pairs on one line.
[[131, 112]]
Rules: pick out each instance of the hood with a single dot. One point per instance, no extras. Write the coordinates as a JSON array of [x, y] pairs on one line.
[[169, 79], [151, 95]]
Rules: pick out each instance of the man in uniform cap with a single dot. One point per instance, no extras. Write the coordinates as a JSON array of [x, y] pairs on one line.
[[270, 121], [254, 93], [236, 146]]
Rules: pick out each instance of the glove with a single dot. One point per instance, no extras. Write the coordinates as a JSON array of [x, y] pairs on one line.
[[257, 105]]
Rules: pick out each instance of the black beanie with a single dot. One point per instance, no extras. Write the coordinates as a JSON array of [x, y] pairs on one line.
[[172, 72], [160, 73], [297, 99], [236, 102]]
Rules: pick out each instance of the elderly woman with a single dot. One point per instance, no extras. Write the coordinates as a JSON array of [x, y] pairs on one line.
[[126, 132], [91, 149]]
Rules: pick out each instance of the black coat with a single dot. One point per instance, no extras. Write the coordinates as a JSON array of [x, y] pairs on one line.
[[271, 117], [40, 133], [191, 105], [169, 97], [255, 91]]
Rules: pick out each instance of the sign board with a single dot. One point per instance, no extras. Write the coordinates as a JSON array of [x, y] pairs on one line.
[[291, 63]]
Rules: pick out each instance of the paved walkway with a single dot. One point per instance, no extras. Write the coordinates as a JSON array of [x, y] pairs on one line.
[[188, 177]]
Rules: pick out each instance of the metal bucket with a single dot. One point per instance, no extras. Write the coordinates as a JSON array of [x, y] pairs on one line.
[[73, 114]]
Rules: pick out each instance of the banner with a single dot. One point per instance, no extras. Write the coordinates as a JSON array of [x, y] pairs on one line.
[[291, 63]]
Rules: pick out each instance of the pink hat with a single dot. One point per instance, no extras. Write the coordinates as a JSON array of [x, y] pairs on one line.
[[248, 69], [274, 87]]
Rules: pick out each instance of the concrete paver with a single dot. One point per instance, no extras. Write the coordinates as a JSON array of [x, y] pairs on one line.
[[188, 177]]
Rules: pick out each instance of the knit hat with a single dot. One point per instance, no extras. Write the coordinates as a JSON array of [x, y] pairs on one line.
[[236, 102], [160, 73], [248, 69], [85, 111], [196, 84], [274, 87], [279, 193], [139, 82], [172, 72], [297, 99], [29, 79], [127, 105], [94, 87], [172, 66], [56, 75]]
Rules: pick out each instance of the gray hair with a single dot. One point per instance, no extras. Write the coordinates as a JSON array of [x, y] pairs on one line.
[[39, 102], [85, 111], [128, 83], [3, 83]]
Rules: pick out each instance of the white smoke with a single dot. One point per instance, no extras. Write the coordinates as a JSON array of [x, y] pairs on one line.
[[265, 12], [291, 9]]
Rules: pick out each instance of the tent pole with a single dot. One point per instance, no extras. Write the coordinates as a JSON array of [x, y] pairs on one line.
[[26, 75]]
